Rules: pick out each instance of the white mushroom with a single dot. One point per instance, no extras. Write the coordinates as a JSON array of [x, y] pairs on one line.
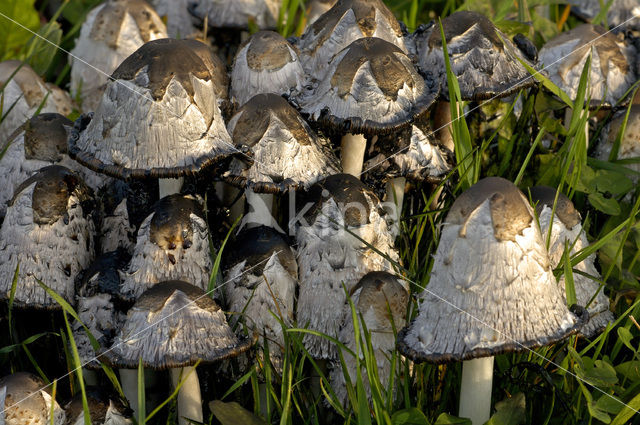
[[26, 400]]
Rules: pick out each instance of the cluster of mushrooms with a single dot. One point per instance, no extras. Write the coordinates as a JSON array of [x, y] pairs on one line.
[[117, 212]]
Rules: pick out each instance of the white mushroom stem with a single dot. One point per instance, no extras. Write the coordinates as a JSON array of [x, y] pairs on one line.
[[189, 398], [129, 384], [353, 147], [260, 207], [395, 199], [442, 123], [168, 187], [475, 391]]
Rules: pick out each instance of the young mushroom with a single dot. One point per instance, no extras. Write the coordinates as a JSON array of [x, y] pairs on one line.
[[171, 326], [491, 291], [342, 237], [47, 233], [172, 244], [380, 300], [26, 399], [112, 31], [262, 276], [158, 118], [104, 409], [267, 63], [567, 229], [236, 14]]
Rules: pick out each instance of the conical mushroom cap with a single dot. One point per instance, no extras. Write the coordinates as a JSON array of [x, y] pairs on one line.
[[370, 87], [174, 324], [482, 57], [236, 14], [344, 23], [158, 118], [48, 215], [492, 288], [286, 153], [267, 63], [26, 402], [567, 229], [612, 70], [111, 32]]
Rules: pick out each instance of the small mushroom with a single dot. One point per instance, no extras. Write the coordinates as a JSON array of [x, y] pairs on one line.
[[339, 241], [25, 399], [111, 32], [48, 232], [491, 291], [172, 243], [23, 93], [237, 14], [171, 326], [104, 409], [380, 300], [567, 229], [158, 118], [344, 23], [612, 69], [620, 13], [262, 277], [267, 63]]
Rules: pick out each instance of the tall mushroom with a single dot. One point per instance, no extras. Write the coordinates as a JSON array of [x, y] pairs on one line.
[[172, 326], [491, 291], [158, 118], [380, 300], [48, 233], [28, 401], [111, 32], [342, 237], [567, 229]]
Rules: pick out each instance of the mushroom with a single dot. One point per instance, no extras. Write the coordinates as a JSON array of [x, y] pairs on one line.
[[171, 326], [104, 409], [23, 94], [48, 233], [484, 60], [284, 154], [491, 291], [267, 63], [567, 229], [236, 14], [629, 143], [380, 300], [116, 225], [25, 399], [620, 13], [158, 118], [343, 236], [112, 31], [180, 23], [172, 244], [262, 276], [612, 72], [344, 23]]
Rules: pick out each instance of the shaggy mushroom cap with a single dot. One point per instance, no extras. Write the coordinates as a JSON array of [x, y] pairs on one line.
[[104, 408], [285, 153], [492, 288], [111, 32], [481, 56], [174, 324], [341, 233], [267, 63], [567, 229], [48, 215], [236, 14], [611, 73], [217, 68], [412, 154], [262, 277], [630, 142], [172, 243], [99, 304], [344, 23], [371, 87], [158, 118], [27, 401], [375, 296], [620, 15], [23, 91]]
